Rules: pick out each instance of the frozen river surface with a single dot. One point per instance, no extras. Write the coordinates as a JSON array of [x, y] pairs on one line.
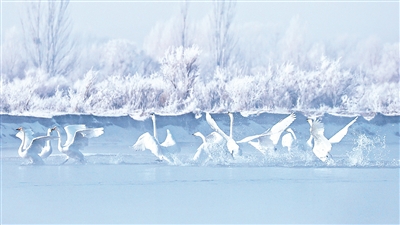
[[158, 193], [119, 185]]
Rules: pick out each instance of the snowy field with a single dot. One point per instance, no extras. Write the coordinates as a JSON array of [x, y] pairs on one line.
[[120, 185]]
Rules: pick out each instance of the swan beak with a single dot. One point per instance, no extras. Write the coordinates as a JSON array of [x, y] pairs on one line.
[[19, 128], [54, 128]]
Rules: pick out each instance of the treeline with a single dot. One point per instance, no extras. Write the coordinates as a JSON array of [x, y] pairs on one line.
[[213, 64]]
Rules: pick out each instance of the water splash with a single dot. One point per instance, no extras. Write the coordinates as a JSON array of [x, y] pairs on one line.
[[367, 150]]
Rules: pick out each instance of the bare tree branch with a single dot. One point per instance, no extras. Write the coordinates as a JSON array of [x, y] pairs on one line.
[[48, 43]]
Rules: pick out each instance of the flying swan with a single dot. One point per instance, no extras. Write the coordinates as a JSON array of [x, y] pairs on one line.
[[77, 139], [31, 147], [267, 141], [322, 146], [230, 143], [162, 151]]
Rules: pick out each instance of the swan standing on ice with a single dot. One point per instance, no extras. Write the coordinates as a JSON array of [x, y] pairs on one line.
[[213, 148], [77, 139], [322, 146], [288, 138], [230, 143], [47, 149], [162, 151], [267, 141], [31, 147]]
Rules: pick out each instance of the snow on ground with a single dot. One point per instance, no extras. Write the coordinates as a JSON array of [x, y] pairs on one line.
[[120, 185]]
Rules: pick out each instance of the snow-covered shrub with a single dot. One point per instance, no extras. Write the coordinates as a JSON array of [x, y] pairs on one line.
[[180, 70], [25, 94]]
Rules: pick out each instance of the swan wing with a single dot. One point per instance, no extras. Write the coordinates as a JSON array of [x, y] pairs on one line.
[[170, 144], [71, 130], [214, 126], [38, 143], [201, 155], [276, 130], [92, 132], [317, 129], [250, 138], [340, 135], [79, 141], [169, 140], [214, 137], [147, 142]]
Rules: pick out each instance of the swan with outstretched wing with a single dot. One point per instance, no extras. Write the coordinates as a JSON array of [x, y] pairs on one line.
[[213, 148], [322, 146], [163, 151], [77, 139], [231, 144], [267, 141], [31, 147]]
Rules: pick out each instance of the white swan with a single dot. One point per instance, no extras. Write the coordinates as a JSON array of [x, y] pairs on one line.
[[162, 151], [213, 148], [267, 141], [288, 138], [309, 141], [31, 147], [77, 139], [322, 146], [230, 143], [47, 149]]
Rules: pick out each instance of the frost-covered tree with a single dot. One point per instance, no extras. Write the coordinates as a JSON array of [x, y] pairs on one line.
[[48, 42], [179, 68]]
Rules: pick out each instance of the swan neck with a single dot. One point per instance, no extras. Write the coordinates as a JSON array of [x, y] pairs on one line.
[[202, 137], [231, 125], [153, 117], [59, 140], [294, 136], [20, 149]]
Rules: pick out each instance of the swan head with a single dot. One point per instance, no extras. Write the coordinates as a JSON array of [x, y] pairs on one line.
[[19, 129], [54, 128], [198, 134]]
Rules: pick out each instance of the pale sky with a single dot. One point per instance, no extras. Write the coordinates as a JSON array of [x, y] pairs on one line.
[[134, 20]]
